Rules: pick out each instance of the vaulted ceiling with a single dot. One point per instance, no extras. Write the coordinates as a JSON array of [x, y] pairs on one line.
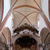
[[26, 11]]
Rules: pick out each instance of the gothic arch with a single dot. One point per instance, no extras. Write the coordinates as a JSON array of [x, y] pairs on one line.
[[25, 6], [4, 38], [25, 16], [8, 33], [47, 37], [33, 36], [42, 30], [44, 33]]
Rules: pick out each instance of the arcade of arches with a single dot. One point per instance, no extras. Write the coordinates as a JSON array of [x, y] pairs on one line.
[[24, 24]]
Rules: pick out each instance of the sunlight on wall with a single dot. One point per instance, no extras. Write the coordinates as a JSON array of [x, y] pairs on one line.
[[38, 23], [9, 23], [6, 7], [45, 7]]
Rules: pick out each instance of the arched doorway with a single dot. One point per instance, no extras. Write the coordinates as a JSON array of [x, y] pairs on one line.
[[25, 43]]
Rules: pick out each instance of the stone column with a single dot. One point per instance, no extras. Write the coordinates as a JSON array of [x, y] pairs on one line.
[[41, 46], [38, 47], [46, 48], [11, 46], [3, 48]]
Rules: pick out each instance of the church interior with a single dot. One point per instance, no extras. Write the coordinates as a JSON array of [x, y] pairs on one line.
[[24, 24]]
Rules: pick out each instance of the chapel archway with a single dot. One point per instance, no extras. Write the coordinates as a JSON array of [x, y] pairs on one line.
[[25, 43], [25, 37]]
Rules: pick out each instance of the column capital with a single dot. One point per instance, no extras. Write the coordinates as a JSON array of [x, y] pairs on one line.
[[40, 45]]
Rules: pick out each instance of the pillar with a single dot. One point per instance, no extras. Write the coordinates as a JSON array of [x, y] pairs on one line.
[[41, 46], [11, 47], [46, 48]]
